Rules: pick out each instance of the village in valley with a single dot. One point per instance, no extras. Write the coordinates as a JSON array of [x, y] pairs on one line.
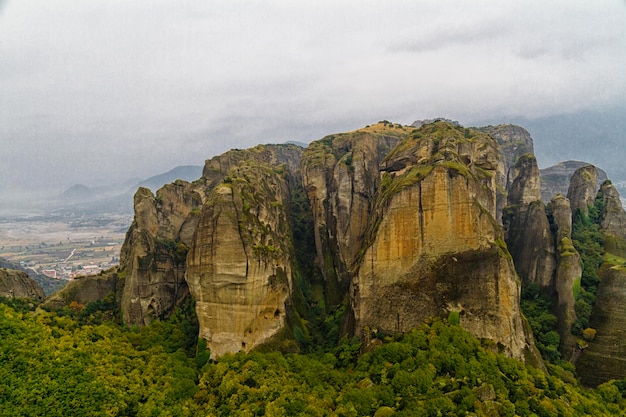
[[63, 248]]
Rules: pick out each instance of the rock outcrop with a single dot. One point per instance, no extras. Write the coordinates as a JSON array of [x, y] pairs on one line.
[[239, 267], [556, 179], [154, 253], [434, 246], [86, 290], [582, 189], [527, 230], [612, 219], [568, 272], [17, 284], [542, 250], [341, 178], [513, 141], [605, 357], [405, 226]]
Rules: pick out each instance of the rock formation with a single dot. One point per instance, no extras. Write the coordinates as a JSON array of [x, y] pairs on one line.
[[239, 268], [556, 179], [612, 219], [404, 223], [582, 189], [513, 141], [341, 177], [527, 231], [154, 252], [434, 246], [567, 273], [19, 285], [86, 290], [542, 250], [605, 358]]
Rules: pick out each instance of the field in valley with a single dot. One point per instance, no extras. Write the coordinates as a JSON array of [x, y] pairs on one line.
[[64, 247]]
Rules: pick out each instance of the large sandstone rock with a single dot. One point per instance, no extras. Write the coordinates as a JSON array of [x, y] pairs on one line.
[[85, 290], [605, 357], [513, 141], [154, 252], [582, 189], [341, 177], [568, 272], [527, 230], [434, 244], [19, 285], [239, 268], [556, 179], [612, 219]]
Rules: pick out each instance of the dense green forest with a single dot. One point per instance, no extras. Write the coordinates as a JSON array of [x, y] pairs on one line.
[[80, 361]]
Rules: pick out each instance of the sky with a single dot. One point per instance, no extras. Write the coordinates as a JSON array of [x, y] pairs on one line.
[[100, 91]]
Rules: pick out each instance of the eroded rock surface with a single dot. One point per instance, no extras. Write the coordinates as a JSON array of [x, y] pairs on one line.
[[612, 219], [605, 357], [513, 141], [582, 189], [19, 285], [239, 268], [434, 244], [527, 230], [568, 271], [154, 252], [556, 178], [341, 177], [86, 290]]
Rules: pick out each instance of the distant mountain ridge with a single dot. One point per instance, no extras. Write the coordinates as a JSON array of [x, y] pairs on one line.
[[118, 198], [183, 172]]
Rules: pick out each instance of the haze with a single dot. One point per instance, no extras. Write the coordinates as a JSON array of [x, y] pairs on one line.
[[101, 91]]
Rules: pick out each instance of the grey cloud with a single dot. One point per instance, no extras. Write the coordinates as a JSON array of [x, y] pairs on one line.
[[99, 90], [453, 35]]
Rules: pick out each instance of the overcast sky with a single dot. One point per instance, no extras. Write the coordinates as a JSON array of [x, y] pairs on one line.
[[98, 91]]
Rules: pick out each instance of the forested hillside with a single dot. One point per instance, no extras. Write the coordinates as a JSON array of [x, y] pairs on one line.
[[79, 361]]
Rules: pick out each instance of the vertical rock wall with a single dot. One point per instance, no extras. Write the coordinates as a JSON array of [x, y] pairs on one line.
[[154, 252], [434, 244], [341, 178], [568, 272], [527, 230], [239, 268], [582, 189], [605, 358]]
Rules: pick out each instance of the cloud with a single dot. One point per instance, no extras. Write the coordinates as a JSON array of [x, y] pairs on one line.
[[103, 90]]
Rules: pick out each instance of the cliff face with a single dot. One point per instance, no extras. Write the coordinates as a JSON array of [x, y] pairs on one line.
[[434, 245], [556, 179], [605, 358], [86, 290], [405, 224], [19, 285], [568, 271], [542, 252], [527, 231], [239, 268], [154, 252], [612, 219], [582, 189], [513, 141], [341, 178]]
